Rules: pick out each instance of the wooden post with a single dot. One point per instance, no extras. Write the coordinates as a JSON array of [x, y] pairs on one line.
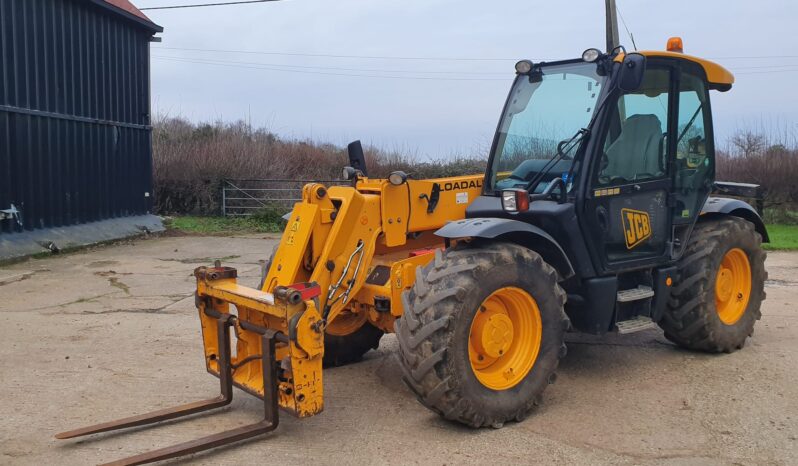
[[612, 25]]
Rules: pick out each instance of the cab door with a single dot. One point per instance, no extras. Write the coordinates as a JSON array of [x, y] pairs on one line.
[[627, 201], [694, 162]]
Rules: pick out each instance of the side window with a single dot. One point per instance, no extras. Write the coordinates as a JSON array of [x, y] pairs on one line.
[[694, 160], [635, 145]]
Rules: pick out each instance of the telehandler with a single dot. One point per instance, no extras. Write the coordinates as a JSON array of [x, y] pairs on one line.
[[595, 214]]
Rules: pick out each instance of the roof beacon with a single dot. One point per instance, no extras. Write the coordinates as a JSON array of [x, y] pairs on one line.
[[675, 45]]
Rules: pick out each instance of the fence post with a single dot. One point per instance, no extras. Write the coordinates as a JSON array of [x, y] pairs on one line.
[[224, 198]]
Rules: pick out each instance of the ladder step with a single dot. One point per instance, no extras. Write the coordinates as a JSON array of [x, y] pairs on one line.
[[636, 324], [635, 294]]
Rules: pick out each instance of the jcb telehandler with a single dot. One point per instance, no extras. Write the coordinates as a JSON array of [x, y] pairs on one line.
[[595, 214]]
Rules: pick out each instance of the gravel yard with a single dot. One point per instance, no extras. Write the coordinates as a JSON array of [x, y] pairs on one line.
[[108, 332]]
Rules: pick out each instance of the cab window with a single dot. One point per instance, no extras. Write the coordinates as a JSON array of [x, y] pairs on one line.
[[694, 164], [635, 143]]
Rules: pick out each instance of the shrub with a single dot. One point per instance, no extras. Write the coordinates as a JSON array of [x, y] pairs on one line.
[[755, 158], [191, 160]]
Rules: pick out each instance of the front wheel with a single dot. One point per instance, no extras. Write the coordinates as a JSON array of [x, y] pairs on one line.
[[482, 333]]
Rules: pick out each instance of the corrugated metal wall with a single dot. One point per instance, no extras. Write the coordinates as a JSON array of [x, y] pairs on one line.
[[75, 142]]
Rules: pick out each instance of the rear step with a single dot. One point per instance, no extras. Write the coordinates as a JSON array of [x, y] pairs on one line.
[[635, 294], [636, 324]]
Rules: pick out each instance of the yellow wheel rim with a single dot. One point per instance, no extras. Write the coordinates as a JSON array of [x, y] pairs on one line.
[[346, 323], [733, 286], [505, 338]]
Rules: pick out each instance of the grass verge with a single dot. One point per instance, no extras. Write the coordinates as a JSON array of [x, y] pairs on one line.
[[782, 238], [224, 225]]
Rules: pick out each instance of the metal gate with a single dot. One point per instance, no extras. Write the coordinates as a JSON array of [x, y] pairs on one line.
[[242, 198]]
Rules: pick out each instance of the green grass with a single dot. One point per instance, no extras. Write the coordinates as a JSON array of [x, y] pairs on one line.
[[225, 225], [782, 237]]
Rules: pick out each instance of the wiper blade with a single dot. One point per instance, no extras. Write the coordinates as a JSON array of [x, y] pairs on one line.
[[563, 148]]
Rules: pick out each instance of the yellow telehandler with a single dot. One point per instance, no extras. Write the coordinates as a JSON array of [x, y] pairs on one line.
[[595, 214]]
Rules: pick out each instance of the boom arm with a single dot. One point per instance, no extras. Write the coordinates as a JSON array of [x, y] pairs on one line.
[[358, 249]]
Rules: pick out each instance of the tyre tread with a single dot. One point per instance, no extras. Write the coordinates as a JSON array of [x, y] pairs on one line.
[[421, 328], [690, 318]]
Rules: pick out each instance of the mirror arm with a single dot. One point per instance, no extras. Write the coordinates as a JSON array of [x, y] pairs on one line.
[[556, 182]]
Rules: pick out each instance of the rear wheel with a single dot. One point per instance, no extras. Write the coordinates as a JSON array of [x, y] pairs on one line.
[[347, 338], [716, 300], [482, 333]]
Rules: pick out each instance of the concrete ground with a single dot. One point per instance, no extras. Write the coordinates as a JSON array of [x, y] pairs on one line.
[[105, 333]]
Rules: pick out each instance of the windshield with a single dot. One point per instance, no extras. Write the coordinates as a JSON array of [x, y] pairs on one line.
[[541, 112]]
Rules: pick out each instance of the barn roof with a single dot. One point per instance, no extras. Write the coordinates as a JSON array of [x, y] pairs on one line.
[[128, 10]]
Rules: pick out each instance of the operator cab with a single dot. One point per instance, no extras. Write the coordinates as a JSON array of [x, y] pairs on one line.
[[611, 154]]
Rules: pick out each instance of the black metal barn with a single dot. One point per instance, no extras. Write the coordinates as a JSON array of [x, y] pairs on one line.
[[75, 136]]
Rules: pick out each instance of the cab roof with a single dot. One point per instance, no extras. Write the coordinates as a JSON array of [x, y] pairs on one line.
[[716, 74], [718, 77]]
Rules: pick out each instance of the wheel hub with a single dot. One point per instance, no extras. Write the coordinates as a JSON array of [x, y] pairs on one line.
[[725, 283], [733, 286], [493, 335], [505, 337]]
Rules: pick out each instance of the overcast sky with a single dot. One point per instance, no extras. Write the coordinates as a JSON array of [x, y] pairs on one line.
[[437, 107]]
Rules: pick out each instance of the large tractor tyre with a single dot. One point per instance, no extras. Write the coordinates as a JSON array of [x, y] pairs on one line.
[[721, 284], [347, 339], [482, 333], [345, 349]]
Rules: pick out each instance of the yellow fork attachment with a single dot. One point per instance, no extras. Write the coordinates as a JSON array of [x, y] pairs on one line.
[[278, 358]]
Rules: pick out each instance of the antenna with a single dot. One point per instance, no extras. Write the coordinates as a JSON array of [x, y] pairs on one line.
[[632, 37], [612, 26]]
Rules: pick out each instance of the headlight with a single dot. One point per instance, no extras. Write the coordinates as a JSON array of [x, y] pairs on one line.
[[515, 200], [398, 177], [523, 67], [591, 55]]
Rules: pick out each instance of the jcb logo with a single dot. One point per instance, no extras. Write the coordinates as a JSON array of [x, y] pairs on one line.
[[636, 227]]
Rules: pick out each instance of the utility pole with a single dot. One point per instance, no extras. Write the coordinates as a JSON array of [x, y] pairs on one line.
[[612, 25]]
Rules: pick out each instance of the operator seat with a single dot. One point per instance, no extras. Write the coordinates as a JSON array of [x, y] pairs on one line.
[[637, 151]]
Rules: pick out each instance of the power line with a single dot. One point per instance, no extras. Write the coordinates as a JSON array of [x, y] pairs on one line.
[[419, 74], [773, 67], [753, 58], [199, 5], [389, 57], [313, 70], [333, 68], [269, 68], [769, 72], [324, 55]]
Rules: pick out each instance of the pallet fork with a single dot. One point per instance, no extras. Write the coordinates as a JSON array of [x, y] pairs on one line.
[[224, 322], [280, 330]]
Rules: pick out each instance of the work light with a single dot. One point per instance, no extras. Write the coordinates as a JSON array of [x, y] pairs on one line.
[[349, 173], [398, 177], [591, 55], [523, 67], [515, 200]]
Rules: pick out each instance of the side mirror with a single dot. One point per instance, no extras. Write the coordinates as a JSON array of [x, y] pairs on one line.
[[631, 72], [356, 158]]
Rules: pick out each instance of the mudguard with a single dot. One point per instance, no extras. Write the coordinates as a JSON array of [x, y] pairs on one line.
[[720, 206], [514, 231]]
